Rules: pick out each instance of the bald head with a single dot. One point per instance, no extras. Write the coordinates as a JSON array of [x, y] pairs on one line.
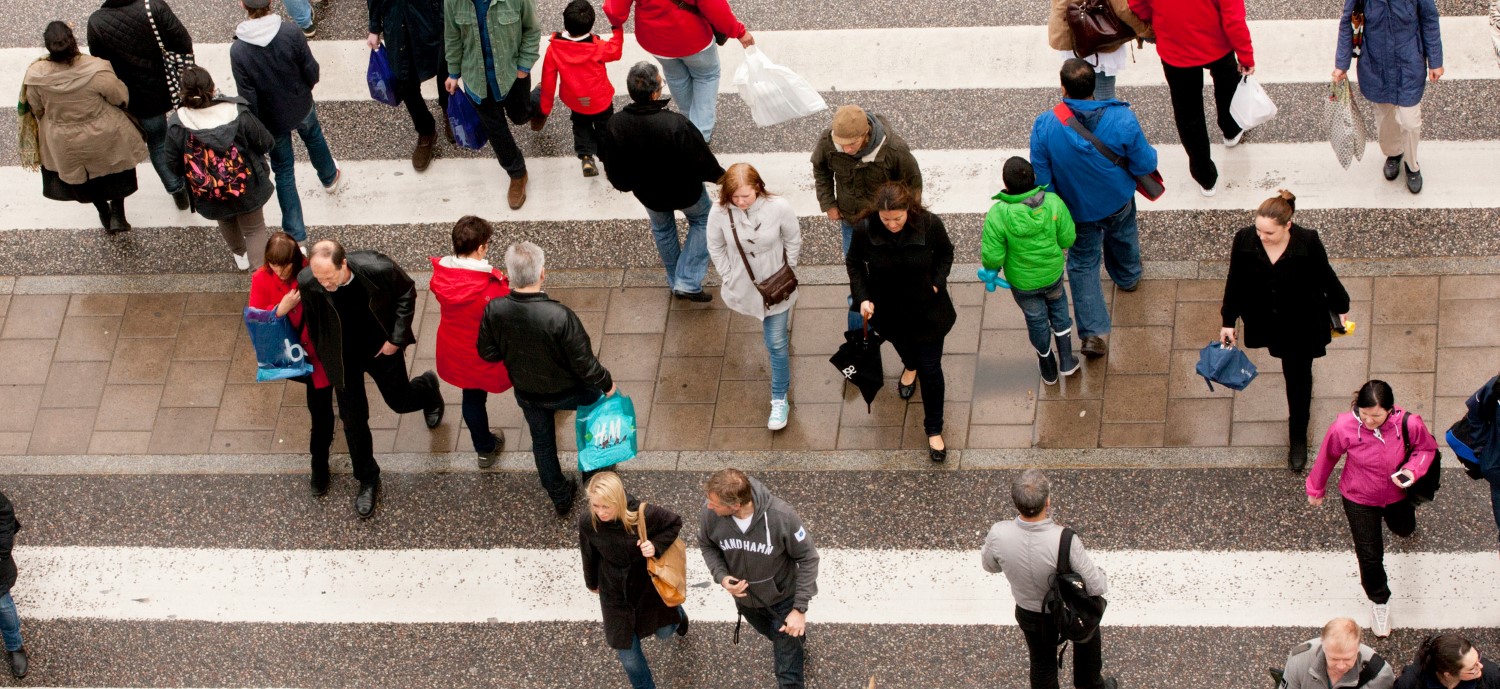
[[329, 265]]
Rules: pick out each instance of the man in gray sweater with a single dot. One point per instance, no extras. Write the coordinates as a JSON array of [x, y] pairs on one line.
[[1026, 549], [1336, 659], [757, 548]]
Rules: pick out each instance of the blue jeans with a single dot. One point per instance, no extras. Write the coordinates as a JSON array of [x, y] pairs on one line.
[[1116, 236], [790, 651], [856, 321], [694, 83], [477, 418], [10, 623], [1046, 312], [283, 166], [774, 329], [686, 262], [1104, 86], [156, 143], [300, 11], [634, 660]]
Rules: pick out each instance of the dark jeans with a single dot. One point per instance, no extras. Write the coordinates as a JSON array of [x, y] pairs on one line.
[[633, 659], [541, 417], [1495, 502], [1186, 85], [790, 651], [927, 361], [401, 394], [477, 418], [1041, 642], [589, 131], [1299, 384], [284, 165], [1369, 542], [320, 408], [156, 144], [410, 93], [493, 115], [1046, 312], [1115, 240]]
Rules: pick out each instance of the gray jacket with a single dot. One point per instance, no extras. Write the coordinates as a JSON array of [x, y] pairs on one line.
[[1307, 668], [776, 554], [1027, 553]]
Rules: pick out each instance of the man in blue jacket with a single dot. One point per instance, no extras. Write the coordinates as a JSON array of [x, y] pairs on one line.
[[1401, 48], [1100, 194]]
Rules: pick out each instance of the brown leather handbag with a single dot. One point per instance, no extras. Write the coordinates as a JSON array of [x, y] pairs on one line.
[[775, 289], [1095, 27], [668, 569]]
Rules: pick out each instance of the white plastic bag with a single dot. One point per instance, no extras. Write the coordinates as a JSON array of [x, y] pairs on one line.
[[774, 93], [1251, 106]]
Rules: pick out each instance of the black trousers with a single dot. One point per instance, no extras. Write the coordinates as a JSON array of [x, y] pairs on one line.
[[927, 361], [1186, 85], [410, 93], [541, 419], [789, 652], [498, 115], [1041, 643], [1299, 384], [320, 408], [589, 130], [401, 394], [1369, 542]]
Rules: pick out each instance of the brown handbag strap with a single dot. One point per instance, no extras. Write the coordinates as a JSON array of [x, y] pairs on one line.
[[736, 232], [640, 520]]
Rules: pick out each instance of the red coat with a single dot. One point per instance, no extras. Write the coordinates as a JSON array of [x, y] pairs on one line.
[[585, 85], [1190, 33], [463, 294], [266, 291], [666, 30]]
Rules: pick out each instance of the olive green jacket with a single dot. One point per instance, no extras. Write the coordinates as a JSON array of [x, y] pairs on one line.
[[515, 42]]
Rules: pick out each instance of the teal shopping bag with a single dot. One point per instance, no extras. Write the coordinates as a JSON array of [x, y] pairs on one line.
[[606, 433]]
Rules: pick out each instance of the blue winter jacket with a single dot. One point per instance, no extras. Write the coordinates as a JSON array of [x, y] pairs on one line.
[[1401, 43], [1093, 187]]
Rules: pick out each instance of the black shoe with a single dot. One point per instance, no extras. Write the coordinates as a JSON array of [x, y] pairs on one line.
[[434, 415], [117, 223], [938, 456], [904, 390], [318, 484], [364, 502], [590, 168], [682, 626], [487, 459], [565, 507], [19, 662], [180, 197], [1048, 366], [1094, 347], [1392, 167], [1131, 288], [1296, 458], [1413, 180], [1109, 683], [699, 296]]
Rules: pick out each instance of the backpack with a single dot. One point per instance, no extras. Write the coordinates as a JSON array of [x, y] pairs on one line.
[[214, 176], [1473, 436], [1075, 614], [1424, 489]]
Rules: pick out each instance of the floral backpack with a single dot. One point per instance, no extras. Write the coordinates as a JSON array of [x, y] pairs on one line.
[[215, 176]]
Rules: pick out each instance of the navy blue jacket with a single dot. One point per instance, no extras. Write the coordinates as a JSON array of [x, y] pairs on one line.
[[413, 34], [8, 528], [276, 80], [1401, 43], [1069, 165]]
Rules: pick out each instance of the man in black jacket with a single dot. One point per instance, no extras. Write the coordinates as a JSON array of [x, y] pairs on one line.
[[125, 32], [412, 31], [10, 623], [550, 360], [359, 310], [661, 157], [275, 72]]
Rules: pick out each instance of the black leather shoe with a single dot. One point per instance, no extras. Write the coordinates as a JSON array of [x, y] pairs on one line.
[[180, 197], [434, 415], [682, 627], [565, 507], [1094, 347], [1131, 288], [904, 390], [1392, 167], [19, 663], [938, 456], [700, 296], [1413, 180], [318, 484], [486, 460], [364, 502], [1296, 458]]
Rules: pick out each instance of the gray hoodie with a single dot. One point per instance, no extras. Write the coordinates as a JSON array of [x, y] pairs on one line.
[[776, 554]]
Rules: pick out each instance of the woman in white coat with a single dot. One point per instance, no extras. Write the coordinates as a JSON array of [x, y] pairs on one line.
[[769, 238]]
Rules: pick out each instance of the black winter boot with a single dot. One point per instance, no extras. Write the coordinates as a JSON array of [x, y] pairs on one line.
[[1066, 362], [103, 208], [117, 223], [1048, 363]]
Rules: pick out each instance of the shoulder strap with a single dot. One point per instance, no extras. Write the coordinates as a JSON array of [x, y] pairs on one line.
[[1065, 552], [154, 32], [640, 520], [1371, 670], [1065, 115], [736, 232], [687, 7], [1405, 438]]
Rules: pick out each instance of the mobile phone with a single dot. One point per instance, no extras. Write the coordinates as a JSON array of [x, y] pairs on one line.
[[1402, 480]]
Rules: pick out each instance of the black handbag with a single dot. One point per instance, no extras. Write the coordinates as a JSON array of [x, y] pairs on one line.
[[775, 289], [1149, 185], [173, 63], [1095, 27], [1424, 489], [719, 38]]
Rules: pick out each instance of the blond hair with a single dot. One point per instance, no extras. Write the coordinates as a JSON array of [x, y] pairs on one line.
[[1341, 630], [607, 488]]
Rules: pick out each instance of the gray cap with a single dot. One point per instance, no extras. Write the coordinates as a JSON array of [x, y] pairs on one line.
[[256, 4]]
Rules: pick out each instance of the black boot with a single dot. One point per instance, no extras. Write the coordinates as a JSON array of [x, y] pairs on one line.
[[117, 223], [103, 208], [1296, 456], [1048, 364], [19, 662], [1067, 363]]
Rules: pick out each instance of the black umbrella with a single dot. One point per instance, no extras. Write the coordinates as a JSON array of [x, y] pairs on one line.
[[858, 359]]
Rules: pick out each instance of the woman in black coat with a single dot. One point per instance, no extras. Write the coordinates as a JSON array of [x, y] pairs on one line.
[[412, 31], [898, 265], [1281, 284], [1452, 662], [614, 566]]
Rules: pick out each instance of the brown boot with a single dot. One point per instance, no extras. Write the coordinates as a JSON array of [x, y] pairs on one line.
[[421, 156], [448, 130], [538, 121], [517, 194]]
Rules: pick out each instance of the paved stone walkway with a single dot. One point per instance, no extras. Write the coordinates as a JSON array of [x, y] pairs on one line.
[[174, 374]]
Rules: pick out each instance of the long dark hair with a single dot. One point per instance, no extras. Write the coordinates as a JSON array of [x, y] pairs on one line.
[[1443, 653], [61, 44], [282, 250]]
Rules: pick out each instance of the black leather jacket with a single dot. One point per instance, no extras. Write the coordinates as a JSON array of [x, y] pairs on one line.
[[9, 525], [543, 345], [393, 301]]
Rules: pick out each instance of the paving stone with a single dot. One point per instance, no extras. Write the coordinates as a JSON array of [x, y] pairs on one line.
[[1468, 323], [819, 331], [216, 303], [743, 403], [697, 333], [1005, 382], [119, 442], [1140, 350], [631, 357], [1183, 379], [955, 427], [680, 426], [1469, 287], [129, 408], [688, 380], [1198, 422], [582, 298], [19, 405], [1461, 370], [751, 438], [1152, 303], [1403, 349], [1135, 398], [195, 384], [182, 431], [34, 316], [142, 360], [240, 442], [75, 384], [810, 427], [1197, 324], [814, 380], [250, 407], [208, 338], [999, 437], [97, 305], [153, 315], [1359, 312], [1340, 373], [14, 443], [1406, 299], [746, 358], [26, 361], [638, 310], [1263, 400], [1068, 423], [87, 338], [1131, 435]]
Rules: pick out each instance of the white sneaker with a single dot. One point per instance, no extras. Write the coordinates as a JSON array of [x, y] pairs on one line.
[[780, 411], [1231, 143], [303, 247], [1382, 622], [242, 261], [338, 180], [1209, 191]]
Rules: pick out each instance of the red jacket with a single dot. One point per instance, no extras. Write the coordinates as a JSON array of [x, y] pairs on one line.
[[585, 84], [666, 30], [266, 291], [1191, 33], [463, 293]]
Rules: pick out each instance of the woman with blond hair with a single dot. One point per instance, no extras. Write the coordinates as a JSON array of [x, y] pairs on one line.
[[752, 234], [614, 567]]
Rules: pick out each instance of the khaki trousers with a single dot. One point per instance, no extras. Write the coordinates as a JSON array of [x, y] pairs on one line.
[[1399, 130], [246, 234]]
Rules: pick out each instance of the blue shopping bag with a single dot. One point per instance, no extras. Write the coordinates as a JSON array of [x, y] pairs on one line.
[[278, 350], [606, 433], [1228, 366], [468, 131], [382, 79]]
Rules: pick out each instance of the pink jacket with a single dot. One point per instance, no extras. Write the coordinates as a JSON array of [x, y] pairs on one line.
[[1372, 459]]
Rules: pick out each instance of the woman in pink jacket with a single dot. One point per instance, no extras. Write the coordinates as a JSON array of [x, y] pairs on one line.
[[1374, 437]]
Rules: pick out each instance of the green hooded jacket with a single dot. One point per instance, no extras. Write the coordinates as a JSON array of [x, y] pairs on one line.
[[1025, 235]]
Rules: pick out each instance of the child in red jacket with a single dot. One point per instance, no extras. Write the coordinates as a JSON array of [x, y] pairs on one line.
[[577, 58]]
